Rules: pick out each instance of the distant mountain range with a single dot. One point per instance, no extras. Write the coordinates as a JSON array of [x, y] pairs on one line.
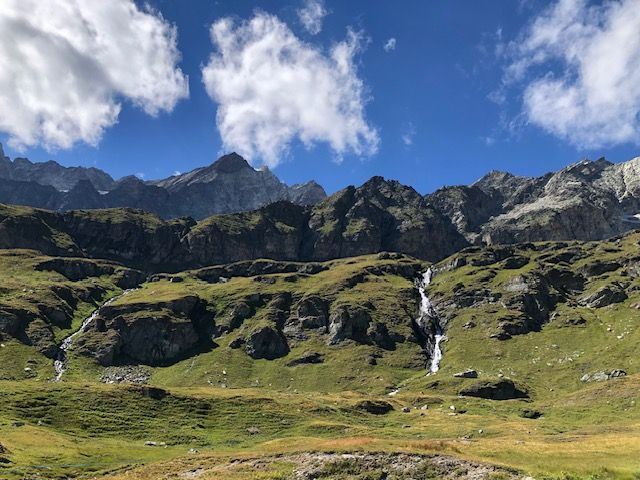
[[228, 185], [265, 218], [585, 201]]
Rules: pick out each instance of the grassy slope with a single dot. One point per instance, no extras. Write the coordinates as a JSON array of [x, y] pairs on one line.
[[552, 361], [346, 365], [23, 287], [81, 428], [590, 430]]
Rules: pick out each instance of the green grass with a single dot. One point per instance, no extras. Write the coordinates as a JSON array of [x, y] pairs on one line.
[[226, 405]]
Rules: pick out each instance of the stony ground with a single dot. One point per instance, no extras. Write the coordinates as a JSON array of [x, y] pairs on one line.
[[338, 466]]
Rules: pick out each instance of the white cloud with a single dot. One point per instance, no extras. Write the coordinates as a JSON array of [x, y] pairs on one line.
[[65, 65], [272, 88], [408, 134], [488, 141], [312, 14], [390, 45], [580, 64]]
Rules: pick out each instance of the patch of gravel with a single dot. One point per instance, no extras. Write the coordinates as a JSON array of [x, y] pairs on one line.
[[127, 374], [389, 466]]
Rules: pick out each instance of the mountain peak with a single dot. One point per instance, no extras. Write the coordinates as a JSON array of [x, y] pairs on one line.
[[230, 163]]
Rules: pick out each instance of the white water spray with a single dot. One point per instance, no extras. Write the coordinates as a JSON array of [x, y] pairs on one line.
[[61, 363], [428, 316]]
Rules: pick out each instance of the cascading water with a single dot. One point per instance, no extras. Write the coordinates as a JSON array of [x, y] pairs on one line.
[[428, 321], [60, 364]]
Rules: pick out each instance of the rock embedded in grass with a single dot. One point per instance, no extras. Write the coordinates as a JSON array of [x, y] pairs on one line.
[[307, 358], [266, 342], [604, 296], [466, 374], [531, 414], [375, 407], [503, 389], [603, 376]]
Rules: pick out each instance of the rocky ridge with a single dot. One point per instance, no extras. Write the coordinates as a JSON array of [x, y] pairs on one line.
[[589, 200], [228, 185], [378, 216]]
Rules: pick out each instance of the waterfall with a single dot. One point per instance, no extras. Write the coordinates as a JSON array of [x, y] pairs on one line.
[[428, 321], [61, 363]]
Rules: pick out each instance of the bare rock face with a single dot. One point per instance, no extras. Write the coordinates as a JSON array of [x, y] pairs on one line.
[[308, 193], [348, 324], [52, 173], [585, 201], [312, 313], [266, 342], [154, 334], [380, 215], [589, 200], [467, 207]]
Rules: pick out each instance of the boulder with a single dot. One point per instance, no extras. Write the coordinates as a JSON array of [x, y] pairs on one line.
[[503, 389], [515, 262], [153, 393], [267, 343], [603, 376], [375, 407], [466, 374], [604, 296], [307, 358], [531, 414]]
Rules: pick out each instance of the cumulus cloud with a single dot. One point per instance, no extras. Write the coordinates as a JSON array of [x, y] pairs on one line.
[[65, 66], [390, 45], [272, 88], [580, 67], [312, 14]]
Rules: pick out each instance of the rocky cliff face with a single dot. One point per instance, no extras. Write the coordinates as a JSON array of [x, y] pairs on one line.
[[589, 200], [378, 216], [228, 185], [585, 201]]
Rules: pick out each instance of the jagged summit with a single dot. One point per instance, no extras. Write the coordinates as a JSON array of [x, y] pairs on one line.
[[230, 163], [587, 200], [230, 184], [51, 173]]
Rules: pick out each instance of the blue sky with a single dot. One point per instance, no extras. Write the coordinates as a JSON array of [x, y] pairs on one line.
[[431, 100]]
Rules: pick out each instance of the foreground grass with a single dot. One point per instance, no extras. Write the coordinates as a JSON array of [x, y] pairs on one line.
[[80, 430]]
